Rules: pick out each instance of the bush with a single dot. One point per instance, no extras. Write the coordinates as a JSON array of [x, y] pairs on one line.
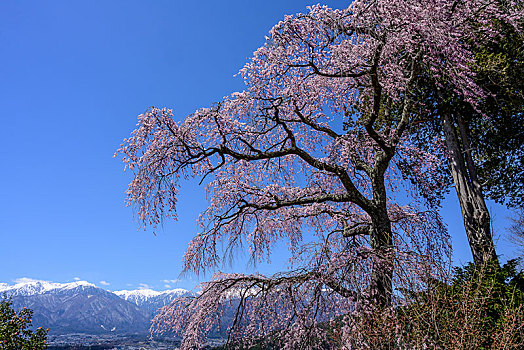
[[15, 329], [481, 309]]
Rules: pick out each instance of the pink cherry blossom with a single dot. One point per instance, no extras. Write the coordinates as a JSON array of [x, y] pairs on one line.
[[317, 144]]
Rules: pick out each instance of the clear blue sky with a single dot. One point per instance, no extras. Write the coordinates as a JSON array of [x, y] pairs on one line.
[[73, 77]]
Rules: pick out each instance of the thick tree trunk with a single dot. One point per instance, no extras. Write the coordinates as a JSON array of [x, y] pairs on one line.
[[475, 213], [382, 275]]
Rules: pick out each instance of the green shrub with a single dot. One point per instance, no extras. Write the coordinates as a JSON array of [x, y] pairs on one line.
[[15, 329], [481, 309]]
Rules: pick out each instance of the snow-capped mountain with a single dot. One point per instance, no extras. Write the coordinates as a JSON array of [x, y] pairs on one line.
[[152, 300], [38, 287], [141, 296], [82, 307]]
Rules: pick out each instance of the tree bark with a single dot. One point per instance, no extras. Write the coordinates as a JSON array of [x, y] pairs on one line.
[[381, 237], [475, 213], [382, 274]]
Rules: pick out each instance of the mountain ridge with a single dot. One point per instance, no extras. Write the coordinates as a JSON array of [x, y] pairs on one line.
[[82, 307], [152, 300]]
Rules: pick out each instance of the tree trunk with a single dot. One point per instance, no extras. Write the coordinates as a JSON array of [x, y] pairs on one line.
[[382, 274], [475, 213]]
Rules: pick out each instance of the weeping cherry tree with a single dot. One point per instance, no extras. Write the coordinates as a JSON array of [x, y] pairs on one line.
[[315, 152]]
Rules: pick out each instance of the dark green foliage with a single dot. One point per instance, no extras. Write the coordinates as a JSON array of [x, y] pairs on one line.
[[495, 127], [498, 138], [483, 308], [15, 332]]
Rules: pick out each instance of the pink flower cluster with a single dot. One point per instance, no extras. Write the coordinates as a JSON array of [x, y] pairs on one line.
[[318, 144]]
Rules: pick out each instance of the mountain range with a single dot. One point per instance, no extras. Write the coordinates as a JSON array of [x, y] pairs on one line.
[[82, 307]]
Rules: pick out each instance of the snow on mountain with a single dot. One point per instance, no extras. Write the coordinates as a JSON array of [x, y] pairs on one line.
[[77, 307], [34, 287], [83, 307], [139, 296], [152, 300], [28, 287]]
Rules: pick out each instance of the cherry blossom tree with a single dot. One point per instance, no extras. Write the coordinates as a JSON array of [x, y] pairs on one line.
[[315, 152]]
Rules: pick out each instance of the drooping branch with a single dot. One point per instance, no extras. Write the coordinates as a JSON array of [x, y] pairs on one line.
[[278, 164]]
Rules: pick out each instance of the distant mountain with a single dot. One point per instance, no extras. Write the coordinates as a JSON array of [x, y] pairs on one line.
[[152, 300], [38, 287], [81, 307]]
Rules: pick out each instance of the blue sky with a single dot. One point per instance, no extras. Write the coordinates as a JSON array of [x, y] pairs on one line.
[[73, 77]]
